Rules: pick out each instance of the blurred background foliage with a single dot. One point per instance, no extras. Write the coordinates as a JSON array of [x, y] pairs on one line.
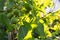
[[28, 20]]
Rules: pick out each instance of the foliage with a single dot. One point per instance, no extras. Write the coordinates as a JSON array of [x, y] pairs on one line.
[[30, 20]]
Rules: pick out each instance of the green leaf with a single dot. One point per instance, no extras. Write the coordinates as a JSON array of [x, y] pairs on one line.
[[16, 12], [10, 4], [27, 6], [9, 15], [14, 20], [40, 30], [2, 2], [5, 21], [22, 32], [27, 25]]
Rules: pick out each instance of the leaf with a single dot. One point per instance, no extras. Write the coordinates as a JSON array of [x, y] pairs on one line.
[[14, 20], [22, 32], [27, 25], [40, 30], [27, 6], [10, 4], [5, 21], [2, 2], [9, 15], [35, 33]]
